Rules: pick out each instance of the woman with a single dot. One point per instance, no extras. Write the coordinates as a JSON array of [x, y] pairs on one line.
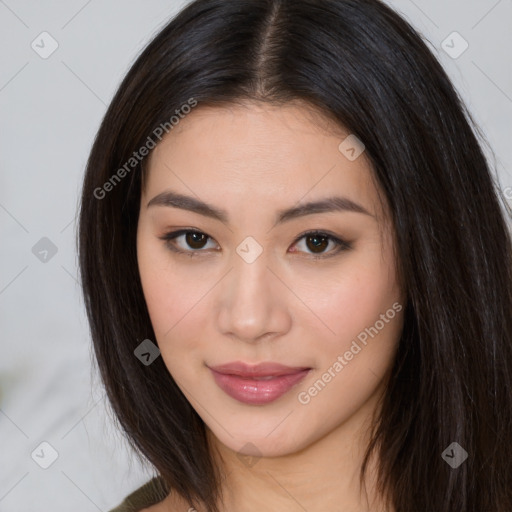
[[297, 270]]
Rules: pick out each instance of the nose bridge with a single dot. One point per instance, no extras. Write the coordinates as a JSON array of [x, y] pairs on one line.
[[251, 279], [250, 273], [251, 303]]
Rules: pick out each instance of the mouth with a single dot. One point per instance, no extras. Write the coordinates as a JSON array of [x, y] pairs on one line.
[[257, 384]]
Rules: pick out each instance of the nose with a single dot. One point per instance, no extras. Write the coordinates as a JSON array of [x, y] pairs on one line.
[[252, 302]]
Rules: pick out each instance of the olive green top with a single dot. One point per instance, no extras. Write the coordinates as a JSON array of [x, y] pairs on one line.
[[149, 494]]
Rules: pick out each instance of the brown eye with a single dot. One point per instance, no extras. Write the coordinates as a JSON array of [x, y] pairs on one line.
[[196, 240], [187, 241], [317, 243]]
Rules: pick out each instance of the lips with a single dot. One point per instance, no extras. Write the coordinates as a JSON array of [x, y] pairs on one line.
[[261, 370], [257, 384]]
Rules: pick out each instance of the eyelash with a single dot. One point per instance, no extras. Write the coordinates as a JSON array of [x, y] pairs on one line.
[[341, 244]]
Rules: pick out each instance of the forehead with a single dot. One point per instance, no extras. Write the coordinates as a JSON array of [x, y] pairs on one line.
[[263, 128], [260, 153]]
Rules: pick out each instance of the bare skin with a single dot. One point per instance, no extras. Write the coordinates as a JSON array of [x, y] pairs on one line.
[[215, 307]]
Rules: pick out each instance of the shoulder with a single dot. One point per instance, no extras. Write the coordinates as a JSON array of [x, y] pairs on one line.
[[146, 498], [169, 504]]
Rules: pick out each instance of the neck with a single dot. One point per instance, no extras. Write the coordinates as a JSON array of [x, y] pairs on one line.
[[323, 475]]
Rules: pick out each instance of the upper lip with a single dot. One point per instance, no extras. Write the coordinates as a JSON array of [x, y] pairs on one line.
[[267, 369]]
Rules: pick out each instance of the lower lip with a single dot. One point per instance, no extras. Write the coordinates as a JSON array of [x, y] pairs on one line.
[[257, 392]]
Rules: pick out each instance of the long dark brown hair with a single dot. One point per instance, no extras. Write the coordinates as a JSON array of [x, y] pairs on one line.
[[365, 67]]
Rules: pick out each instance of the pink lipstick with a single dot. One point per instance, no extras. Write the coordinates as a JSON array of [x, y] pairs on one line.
[[257, 384]]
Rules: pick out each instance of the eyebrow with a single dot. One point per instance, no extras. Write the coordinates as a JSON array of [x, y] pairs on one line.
[[330, 204]]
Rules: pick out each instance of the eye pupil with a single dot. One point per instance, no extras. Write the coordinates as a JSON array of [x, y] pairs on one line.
[[192, 240], [319, 242]]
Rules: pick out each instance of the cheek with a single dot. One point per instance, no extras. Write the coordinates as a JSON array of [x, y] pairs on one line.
[[163, 285], [361, 290], [174, 302], [353, 361]]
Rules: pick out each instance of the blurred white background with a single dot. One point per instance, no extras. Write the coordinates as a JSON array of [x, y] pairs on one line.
[[50, 109]]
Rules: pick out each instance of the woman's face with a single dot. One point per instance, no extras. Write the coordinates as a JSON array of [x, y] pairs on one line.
[[247, 286]]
